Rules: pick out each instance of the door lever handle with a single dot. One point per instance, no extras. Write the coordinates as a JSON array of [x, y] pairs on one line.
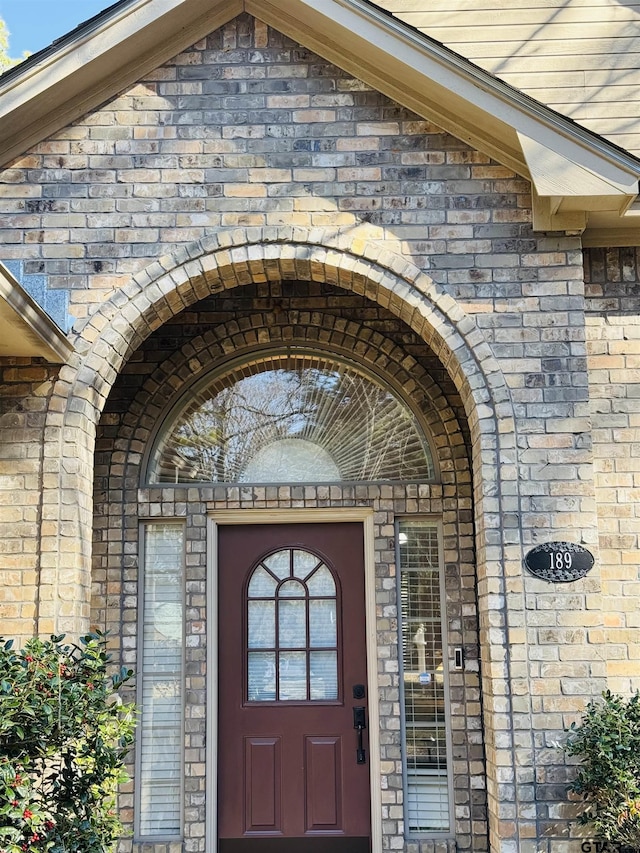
[[360, 724]]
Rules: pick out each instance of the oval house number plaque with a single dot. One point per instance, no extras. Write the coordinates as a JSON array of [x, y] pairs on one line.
[[559, 562]]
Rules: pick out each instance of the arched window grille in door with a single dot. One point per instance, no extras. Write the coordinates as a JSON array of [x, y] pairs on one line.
[[292, 629]]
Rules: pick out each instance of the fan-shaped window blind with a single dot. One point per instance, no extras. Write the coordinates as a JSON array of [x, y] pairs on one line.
[[287, 419]]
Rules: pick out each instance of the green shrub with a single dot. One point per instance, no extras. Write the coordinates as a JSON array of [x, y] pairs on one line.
[[608, 779], [63, 739]]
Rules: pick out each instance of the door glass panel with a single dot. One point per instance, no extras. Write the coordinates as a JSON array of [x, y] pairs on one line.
[[292, 589], [292, 625], [321, 582], [322, 623], [293, 615], [279, 563], [303, 563], [262, 676], [262, 624], [324, 675], [293, 675], [263, 585]]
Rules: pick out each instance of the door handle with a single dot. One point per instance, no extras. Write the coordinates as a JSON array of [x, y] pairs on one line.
[[360, 724]]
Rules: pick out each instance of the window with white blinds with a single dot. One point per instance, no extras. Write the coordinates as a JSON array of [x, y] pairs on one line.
[[294, 417], [161, 701], [425, 735]]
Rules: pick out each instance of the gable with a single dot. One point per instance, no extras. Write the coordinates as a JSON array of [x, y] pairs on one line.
[[579, 180], [248, 129]]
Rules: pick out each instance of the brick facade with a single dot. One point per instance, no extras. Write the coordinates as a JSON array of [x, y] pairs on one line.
[[25, 393], [248, 192], [613, 334]]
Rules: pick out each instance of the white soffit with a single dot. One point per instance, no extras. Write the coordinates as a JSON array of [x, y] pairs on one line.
[[25, 329], [572, 170]]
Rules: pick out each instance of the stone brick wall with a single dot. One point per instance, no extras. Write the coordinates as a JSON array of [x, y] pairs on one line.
[[249, 160], [613, 326], [25, 392]]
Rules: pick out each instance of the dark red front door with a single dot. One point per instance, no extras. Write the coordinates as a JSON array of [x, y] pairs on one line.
[[292, 668]]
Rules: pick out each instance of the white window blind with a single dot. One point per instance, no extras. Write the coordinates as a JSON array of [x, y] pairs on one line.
[[426, 761], [161, 725], [285, 418]]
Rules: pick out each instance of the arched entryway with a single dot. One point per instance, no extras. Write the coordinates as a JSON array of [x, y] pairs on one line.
[[458, 358]]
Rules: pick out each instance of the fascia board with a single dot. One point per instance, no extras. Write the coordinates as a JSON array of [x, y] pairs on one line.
[[25, 329], [605, 238], [85, 72], [604, 229]]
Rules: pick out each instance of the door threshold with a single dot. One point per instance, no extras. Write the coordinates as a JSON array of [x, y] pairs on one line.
[[324, 844]]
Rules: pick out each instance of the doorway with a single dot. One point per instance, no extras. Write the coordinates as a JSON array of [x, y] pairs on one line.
[[293, 757]]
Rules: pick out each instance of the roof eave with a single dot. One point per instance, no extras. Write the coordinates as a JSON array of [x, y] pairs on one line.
[[25, 329], [99, 61]]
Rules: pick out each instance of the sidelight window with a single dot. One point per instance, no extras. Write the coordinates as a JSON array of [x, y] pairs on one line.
[[159, 814], [292, 629], [426, 751]]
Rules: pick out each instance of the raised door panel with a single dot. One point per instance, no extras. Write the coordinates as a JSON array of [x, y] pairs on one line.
[[323, 784], [263, 788]]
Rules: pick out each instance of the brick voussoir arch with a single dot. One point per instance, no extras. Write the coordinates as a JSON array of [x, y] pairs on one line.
[[344, 257], [341, 257], [349, 259]]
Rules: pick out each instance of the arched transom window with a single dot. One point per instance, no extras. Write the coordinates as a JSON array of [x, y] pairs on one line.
[[292, 629], [287, 418]]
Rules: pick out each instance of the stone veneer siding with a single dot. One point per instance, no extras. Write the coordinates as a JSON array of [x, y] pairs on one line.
[[248, 159], [613, 328]]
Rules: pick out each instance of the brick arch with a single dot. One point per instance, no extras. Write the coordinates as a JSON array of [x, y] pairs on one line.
[[247, 256], [333, 335], [127, 428], [253, 255]]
